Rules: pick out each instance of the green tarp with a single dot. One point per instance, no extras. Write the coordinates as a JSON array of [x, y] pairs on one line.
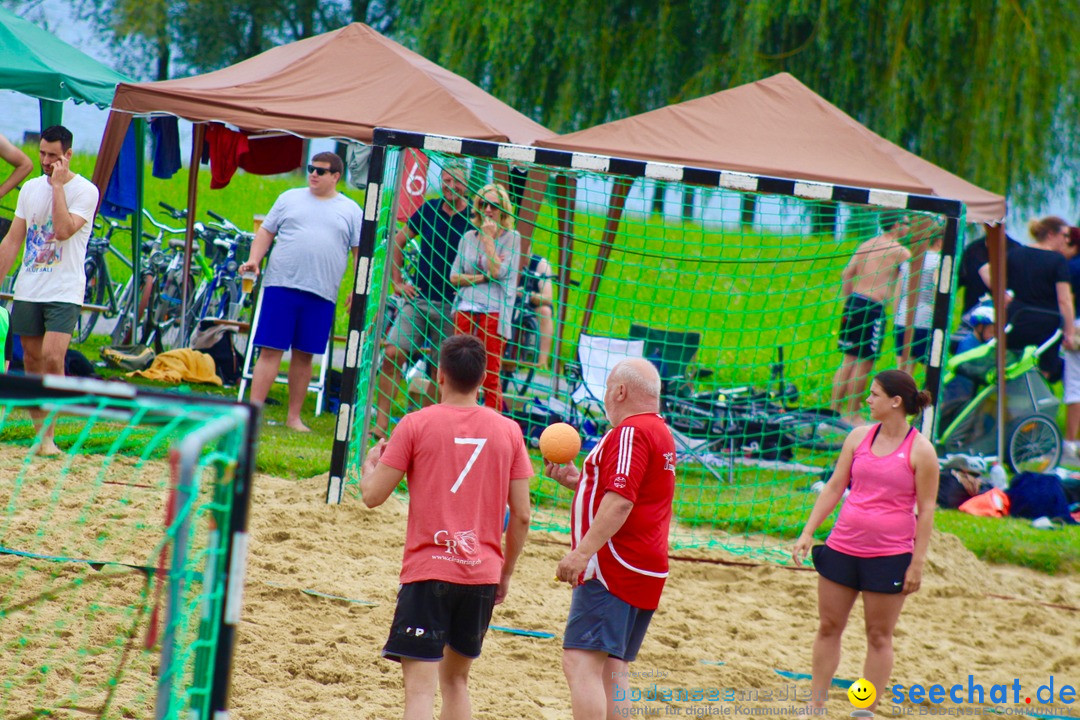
[[35, 62]]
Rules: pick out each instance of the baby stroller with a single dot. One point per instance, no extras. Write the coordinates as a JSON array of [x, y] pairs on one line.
[[969, 410]]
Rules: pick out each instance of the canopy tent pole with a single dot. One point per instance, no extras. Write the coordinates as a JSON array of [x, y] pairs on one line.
[[619, 191], [137, 225], [565, 193], [995, 243], [198, 135], [531, 200], [52, 113]]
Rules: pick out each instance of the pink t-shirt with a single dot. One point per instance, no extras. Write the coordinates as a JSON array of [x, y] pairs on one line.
[[878, 517], [458, 464]]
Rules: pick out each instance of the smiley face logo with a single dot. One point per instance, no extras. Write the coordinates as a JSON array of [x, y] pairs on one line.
[[862, 693]]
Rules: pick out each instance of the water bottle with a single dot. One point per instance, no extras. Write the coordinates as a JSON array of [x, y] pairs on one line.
[[997, 477]]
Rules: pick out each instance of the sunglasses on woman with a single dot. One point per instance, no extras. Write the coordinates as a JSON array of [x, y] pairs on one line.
[[485, 204], [318, 170]]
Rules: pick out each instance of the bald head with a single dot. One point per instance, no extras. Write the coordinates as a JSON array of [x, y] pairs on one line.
[[639, 376], [633, 387]]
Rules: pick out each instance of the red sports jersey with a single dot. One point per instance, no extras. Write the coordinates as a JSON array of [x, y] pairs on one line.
[[458, 464], [636, 460]]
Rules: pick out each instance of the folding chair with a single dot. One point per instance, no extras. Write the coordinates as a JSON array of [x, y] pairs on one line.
[[671, 351]]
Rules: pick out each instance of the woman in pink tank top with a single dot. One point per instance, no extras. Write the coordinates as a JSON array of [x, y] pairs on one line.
[[878, 545]]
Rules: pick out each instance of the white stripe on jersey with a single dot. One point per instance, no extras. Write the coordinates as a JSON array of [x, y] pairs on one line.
[[628, 566], [626, 450], [593, 458]]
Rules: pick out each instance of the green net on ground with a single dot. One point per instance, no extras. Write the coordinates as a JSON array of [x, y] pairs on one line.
[[766, 315], [117, 551]]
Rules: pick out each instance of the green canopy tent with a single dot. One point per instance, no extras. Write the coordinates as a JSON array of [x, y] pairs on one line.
[[35, 62]]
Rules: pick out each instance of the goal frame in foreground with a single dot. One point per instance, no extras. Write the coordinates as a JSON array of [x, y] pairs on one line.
[[543, 161], [64, 393]]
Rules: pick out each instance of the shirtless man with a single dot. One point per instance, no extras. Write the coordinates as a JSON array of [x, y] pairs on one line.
[[868, 282]]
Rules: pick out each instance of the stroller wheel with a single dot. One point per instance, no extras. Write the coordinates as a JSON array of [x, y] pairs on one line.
[[1034, 445]]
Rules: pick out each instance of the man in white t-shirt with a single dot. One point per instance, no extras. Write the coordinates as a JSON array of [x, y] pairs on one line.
[[53, 219], [313, 229]]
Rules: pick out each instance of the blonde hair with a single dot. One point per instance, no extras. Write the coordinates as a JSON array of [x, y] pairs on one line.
[[506, 211]]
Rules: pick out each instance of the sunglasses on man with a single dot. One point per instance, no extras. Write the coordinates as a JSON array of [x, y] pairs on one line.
[[318, 170]]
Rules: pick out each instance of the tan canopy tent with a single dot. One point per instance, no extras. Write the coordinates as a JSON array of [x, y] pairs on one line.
[[340, 84], [777, 127]]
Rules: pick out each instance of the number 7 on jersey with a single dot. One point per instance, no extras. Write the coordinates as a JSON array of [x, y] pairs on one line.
[[479, 443]]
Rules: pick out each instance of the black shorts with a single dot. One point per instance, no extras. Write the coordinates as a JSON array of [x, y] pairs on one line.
[[920, 344], [884, 574], [34, 319], [861, 327], [431, 614]]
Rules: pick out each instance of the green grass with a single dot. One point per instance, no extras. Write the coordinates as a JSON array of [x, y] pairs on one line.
[[750, 293]]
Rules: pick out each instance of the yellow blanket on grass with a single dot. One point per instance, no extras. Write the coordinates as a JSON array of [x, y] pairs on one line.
[[182, 365]]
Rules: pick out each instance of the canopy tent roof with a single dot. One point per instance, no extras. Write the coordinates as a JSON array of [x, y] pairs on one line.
[[777, 127], [342, 83], [35, 62]]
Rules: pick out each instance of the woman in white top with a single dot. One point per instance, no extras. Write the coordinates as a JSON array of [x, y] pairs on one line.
[[485, 272]]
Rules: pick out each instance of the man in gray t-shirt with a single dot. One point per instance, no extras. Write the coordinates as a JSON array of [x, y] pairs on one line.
[[313, 230]]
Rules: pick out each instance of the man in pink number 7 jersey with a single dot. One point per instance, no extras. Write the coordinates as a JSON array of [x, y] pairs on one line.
[[463, 464]]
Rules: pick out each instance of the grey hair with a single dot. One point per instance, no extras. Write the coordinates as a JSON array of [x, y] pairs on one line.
[[639, 376]]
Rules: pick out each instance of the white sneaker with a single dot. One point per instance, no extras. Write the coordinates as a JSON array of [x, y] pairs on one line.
[[1070, 450]]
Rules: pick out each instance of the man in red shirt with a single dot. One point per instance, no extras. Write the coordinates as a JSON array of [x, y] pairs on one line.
[[463, 463], [619, 537]]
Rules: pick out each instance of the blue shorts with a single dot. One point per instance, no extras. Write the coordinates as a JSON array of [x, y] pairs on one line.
[[600, 621], [296, 319]]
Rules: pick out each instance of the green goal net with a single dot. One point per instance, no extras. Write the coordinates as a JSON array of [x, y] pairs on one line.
[[765, 305], [122, 555]]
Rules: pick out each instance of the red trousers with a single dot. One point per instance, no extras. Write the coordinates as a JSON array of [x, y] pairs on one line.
[[486, 327]]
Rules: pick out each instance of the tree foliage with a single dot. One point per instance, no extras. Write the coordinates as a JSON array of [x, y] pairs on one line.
[[985, 88]]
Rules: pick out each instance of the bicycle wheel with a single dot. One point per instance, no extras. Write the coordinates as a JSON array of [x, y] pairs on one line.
[[96, 279], [815, 429], [1034, 445], [121, 332]]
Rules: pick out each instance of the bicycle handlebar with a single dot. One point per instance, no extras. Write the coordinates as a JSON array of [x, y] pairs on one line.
[[161, 226], [177, 214]]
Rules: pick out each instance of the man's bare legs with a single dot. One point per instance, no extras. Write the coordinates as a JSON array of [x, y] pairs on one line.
[[849, 386], [389, 383], [454, 684], [547, 334], [616, 671], [421, 678], [299, 379], [265, 373], [584, 671], [44, 355], [450, 675]]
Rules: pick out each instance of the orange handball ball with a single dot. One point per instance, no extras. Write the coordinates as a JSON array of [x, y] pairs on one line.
[[560, 443]]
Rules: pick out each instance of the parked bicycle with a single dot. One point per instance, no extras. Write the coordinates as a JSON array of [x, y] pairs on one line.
[[102, 295]]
